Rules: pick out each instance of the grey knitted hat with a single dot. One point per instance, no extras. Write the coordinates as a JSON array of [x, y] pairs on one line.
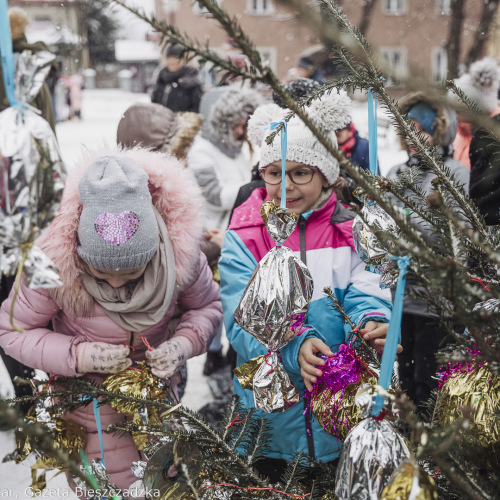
[[117, 228]]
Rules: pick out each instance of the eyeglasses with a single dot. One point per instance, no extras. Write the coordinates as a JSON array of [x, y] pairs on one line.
[[300, 175]]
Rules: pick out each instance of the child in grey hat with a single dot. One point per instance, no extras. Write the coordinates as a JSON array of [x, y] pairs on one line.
[[126, 242]]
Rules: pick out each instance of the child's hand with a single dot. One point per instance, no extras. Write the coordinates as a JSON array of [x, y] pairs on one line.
[[374, 333], [215, 236], [100, 357], [308, 361], [169, 356]]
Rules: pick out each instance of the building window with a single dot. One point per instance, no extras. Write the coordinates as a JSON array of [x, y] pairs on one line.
[[439, 65], [197, 9], [396, 58], [268, 56], [259, 7], [394, 7], [444, 7]]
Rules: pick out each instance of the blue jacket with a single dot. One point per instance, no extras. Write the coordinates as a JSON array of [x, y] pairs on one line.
[[333, 263]]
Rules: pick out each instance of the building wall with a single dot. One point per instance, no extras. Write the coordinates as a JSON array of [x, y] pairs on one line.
[[286, 37], [420, 32]]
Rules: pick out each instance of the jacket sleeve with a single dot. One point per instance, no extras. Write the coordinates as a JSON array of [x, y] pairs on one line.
[[221, 195], [38, 347], [236, 266], [196, 94], [202, 309], [364, 299]]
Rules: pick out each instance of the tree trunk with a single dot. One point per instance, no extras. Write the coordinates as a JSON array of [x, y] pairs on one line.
[[481, 35], [454, 38], [367, 13]]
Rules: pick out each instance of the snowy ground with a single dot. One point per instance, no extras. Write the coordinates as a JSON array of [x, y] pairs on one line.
[[101, 112]]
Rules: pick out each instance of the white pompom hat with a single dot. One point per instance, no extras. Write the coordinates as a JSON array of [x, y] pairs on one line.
[[331, 112], [481, 83]]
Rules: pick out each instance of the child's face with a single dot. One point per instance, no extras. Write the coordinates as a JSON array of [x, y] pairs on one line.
[[299, 197], [118, 278], [426, 136]]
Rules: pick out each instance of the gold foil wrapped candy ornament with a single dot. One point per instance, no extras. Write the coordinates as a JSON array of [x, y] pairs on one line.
[[273, 309], [65, 432], [138, 383], [410, 482], [472, 385], [332, 399]]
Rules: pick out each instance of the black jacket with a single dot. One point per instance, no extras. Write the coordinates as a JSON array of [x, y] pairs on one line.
[[179, 91], [484, 190]]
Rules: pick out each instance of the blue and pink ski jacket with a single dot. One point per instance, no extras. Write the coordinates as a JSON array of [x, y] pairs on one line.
[[323, 238]]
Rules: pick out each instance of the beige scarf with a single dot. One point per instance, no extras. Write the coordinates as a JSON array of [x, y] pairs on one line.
[[143, 303]]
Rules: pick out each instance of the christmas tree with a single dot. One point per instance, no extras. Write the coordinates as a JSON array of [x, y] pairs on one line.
[[455, 265]]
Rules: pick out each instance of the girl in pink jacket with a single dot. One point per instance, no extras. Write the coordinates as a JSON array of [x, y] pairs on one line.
[[126, 242]]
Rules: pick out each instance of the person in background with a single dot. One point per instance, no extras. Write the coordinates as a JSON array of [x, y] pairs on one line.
[[422, 335], [178, 86], [18, 20], [158, 128], [480, 84], [221, 159], [308, 68], [126, 243]]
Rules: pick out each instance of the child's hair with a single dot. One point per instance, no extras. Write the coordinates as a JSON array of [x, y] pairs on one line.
[[331, 112], [18, 19], [118, 227]]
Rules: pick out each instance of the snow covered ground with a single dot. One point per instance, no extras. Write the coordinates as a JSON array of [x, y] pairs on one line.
[[101, 112]]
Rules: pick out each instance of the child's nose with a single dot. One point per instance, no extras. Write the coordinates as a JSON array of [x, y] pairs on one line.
[[289, 185], [116, 282]]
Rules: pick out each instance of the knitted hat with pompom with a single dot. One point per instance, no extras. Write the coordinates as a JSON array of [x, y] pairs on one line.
[[480, 84], [330, 113]]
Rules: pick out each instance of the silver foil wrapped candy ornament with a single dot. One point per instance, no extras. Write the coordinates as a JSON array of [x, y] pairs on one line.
[[372, 451], [273, 309], [368, 246], [31, 177]]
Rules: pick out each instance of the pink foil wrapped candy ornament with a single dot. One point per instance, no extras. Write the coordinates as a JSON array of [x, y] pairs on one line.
[[332, 398], [273, 309]]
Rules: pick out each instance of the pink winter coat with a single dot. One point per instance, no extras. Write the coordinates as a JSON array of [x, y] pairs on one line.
[[76, 317]]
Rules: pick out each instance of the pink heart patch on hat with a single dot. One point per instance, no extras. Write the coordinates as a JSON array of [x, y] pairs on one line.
[[117, 229]]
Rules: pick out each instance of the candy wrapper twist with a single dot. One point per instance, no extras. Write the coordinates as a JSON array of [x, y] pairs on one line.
[[273, 309], [31, 177], [332, 398]]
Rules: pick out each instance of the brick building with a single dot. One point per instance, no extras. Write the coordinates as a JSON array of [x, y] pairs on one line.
[[409, 33]]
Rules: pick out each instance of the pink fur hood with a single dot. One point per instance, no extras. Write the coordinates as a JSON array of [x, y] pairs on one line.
[[175, 195]]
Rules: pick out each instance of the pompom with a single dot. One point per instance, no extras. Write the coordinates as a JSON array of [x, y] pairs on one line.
[[332, 111], [258, 125], [484, 73]]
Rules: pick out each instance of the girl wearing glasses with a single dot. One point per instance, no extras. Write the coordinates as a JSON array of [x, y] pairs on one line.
[[323, 240]]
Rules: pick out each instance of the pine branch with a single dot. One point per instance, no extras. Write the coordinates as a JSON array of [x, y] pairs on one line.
[[43, 438]]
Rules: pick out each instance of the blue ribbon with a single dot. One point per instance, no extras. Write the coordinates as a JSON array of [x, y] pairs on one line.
[[97, 416], [372, 130], [393, 336], [6, 53], [283, 132]]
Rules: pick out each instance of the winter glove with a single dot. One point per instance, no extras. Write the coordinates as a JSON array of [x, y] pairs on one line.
[[100, 357], [169, 356]]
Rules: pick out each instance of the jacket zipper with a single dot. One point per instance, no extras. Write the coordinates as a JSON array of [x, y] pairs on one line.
[[307, 412]]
